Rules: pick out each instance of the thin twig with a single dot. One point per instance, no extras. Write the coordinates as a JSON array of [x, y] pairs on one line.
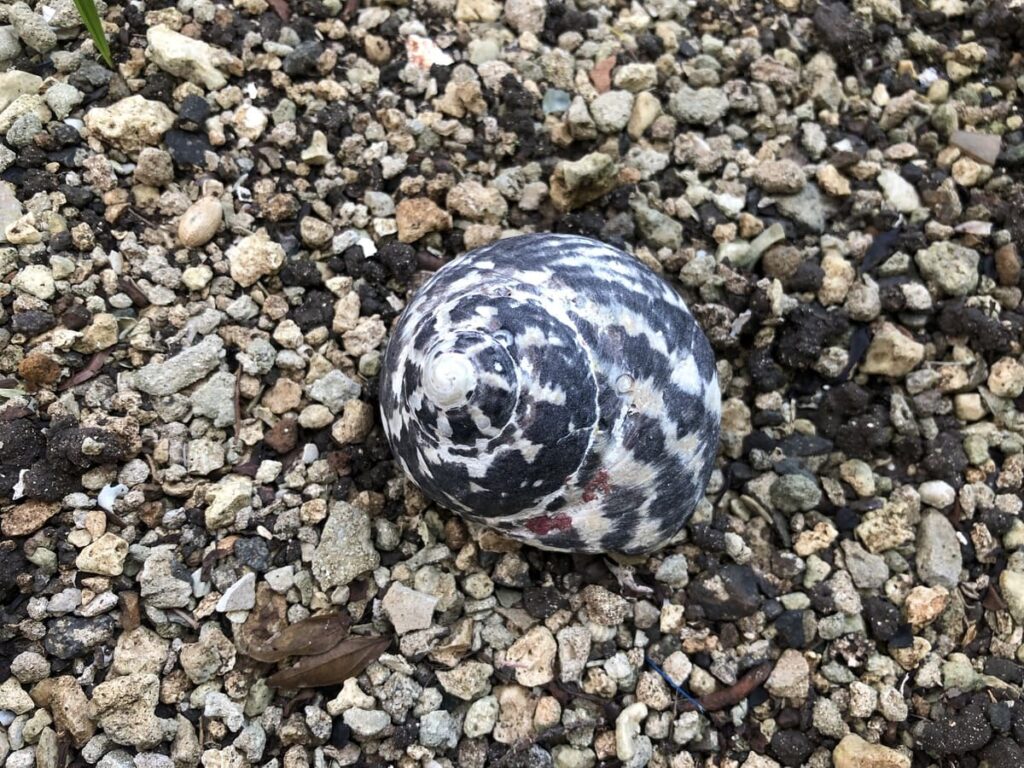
[[91, 369], [728, 697]]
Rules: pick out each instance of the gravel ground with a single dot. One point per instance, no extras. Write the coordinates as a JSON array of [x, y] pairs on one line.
[[203, 250]]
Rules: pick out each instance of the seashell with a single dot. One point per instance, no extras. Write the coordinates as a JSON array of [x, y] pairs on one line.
[[556, 389]]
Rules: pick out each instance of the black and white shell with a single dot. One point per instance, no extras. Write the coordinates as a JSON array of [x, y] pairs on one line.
[[554, 388]]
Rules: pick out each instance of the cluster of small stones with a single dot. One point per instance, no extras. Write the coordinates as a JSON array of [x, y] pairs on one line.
[[202, 251]]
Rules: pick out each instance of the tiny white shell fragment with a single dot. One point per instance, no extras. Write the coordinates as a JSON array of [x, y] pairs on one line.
[[109, 495], [425, 53], [19, 487]]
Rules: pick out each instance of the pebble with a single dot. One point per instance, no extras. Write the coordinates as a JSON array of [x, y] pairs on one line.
[[703, 106], [855, 752], [526, 15], [30, 667], [611, 110], [474, 201], [674, 571], [35, 280], [163, 581], [481, 717], [63, 98], [240, 596], [983, 147], [69, 637], [10, 208], [533, 656], [937, 493], [565, 756], [832, 181], [1006, 378], [132, 123], [334, 390], [603, 606], [937, 554], [779, 177], [254, 257], [893, 352], [727, 594], [229, 496], [408, 609], [438, 729], [1011, 586], [420, 216], [10, 48], [899, 192], [790, 678], [868, 571], [469, 681], [357, 419], [104, 556], [795, 493], [346, 549], [212, 655], [179, 371], [576, 183], [923, 605], [125, 707], [32, 28], [200, 222], [366, 723], [186, 57], [14, 698], [214, 399], [951, 267], [574, 645]]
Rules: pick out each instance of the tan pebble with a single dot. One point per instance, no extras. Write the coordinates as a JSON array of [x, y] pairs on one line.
[[355, 423], [200, 222], [855, 752], [1006, 378], [925, 604]]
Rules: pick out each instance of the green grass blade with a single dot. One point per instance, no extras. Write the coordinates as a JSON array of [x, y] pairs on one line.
[[91, 19]]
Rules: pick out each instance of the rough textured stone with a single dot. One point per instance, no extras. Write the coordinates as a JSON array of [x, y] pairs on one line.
[[345, 550]]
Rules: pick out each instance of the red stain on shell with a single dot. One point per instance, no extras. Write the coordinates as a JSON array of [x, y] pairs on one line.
[[545, 525], [598, 484]]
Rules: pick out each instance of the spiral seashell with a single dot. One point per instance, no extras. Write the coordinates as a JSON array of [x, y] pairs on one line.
[[554, 388]]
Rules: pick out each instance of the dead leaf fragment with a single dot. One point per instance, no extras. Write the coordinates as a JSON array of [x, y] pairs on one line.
[[345, 660], [309, 637]]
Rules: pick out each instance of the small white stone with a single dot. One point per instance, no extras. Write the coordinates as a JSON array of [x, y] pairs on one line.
[[240, 596]]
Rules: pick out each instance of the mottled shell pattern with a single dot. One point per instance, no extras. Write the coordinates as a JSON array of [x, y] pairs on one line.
[[554, 388]]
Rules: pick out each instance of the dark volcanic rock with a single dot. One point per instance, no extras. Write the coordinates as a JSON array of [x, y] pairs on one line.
[[960, 734], [69, 637], [729, 594]]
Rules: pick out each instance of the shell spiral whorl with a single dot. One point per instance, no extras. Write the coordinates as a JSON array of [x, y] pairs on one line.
[[556, 389]]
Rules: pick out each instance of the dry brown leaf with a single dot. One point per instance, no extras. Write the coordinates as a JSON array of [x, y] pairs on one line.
[[265, 621], [309, 637], [345, 660]]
